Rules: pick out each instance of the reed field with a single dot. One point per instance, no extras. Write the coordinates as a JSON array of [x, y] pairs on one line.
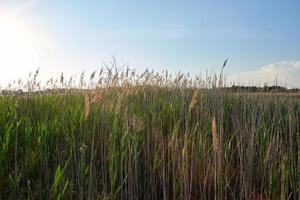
[[128, 135]]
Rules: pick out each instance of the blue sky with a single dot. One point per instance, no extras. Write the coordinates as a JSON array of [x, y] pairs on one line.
[[190, 36]]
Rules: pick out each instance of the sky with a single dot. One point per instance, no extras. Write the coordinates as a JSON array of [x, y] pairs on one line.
[[260, 38]]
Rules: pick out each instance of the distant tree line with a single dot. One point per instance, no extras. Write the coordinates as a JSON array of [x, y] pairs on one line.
[[234, 88], [267, 89]]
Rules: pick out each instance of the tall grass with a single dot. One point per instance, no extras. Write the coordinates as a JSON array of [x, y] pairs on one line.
[[148, 136]]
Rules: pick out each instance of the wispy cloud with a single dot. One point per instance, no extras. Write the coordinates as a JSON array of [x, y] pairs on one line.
[[286, 73]]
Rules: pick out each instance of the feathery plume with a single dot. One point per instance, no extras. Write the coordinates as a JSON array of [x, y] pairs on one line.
[[195, 98]]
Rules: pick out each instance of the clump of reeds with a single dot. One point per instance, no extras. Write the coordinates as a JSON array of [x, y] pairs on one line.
[[129, 135]]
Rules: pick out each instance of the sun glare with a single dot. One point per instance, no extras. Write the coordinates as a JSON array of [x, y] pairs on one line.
[[17, 45]]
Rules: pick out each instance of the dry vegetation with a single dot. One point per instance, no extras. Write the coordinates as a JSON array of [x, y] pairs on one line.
[[148, 136]]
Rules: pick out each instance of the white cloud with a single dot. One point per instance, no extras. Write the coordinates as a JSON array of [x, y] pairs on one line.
[[286, 73]]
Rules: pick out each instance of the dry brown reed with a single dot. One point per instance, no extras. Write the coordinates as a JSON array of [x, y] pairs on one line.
[[196, 97], [96, 97], [215, 137], [86, 106]]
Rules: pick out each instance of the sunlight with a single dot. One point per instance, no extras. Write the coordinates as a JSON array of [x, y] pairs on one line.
[[18, 48]]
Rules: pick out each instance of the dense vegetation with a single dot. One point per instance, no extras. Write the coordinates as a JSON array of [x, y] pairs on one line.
[[151, 137]]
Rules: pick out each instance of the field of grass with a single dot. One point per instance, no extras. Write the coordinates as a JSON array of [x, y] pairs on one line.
[[149, 137]]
